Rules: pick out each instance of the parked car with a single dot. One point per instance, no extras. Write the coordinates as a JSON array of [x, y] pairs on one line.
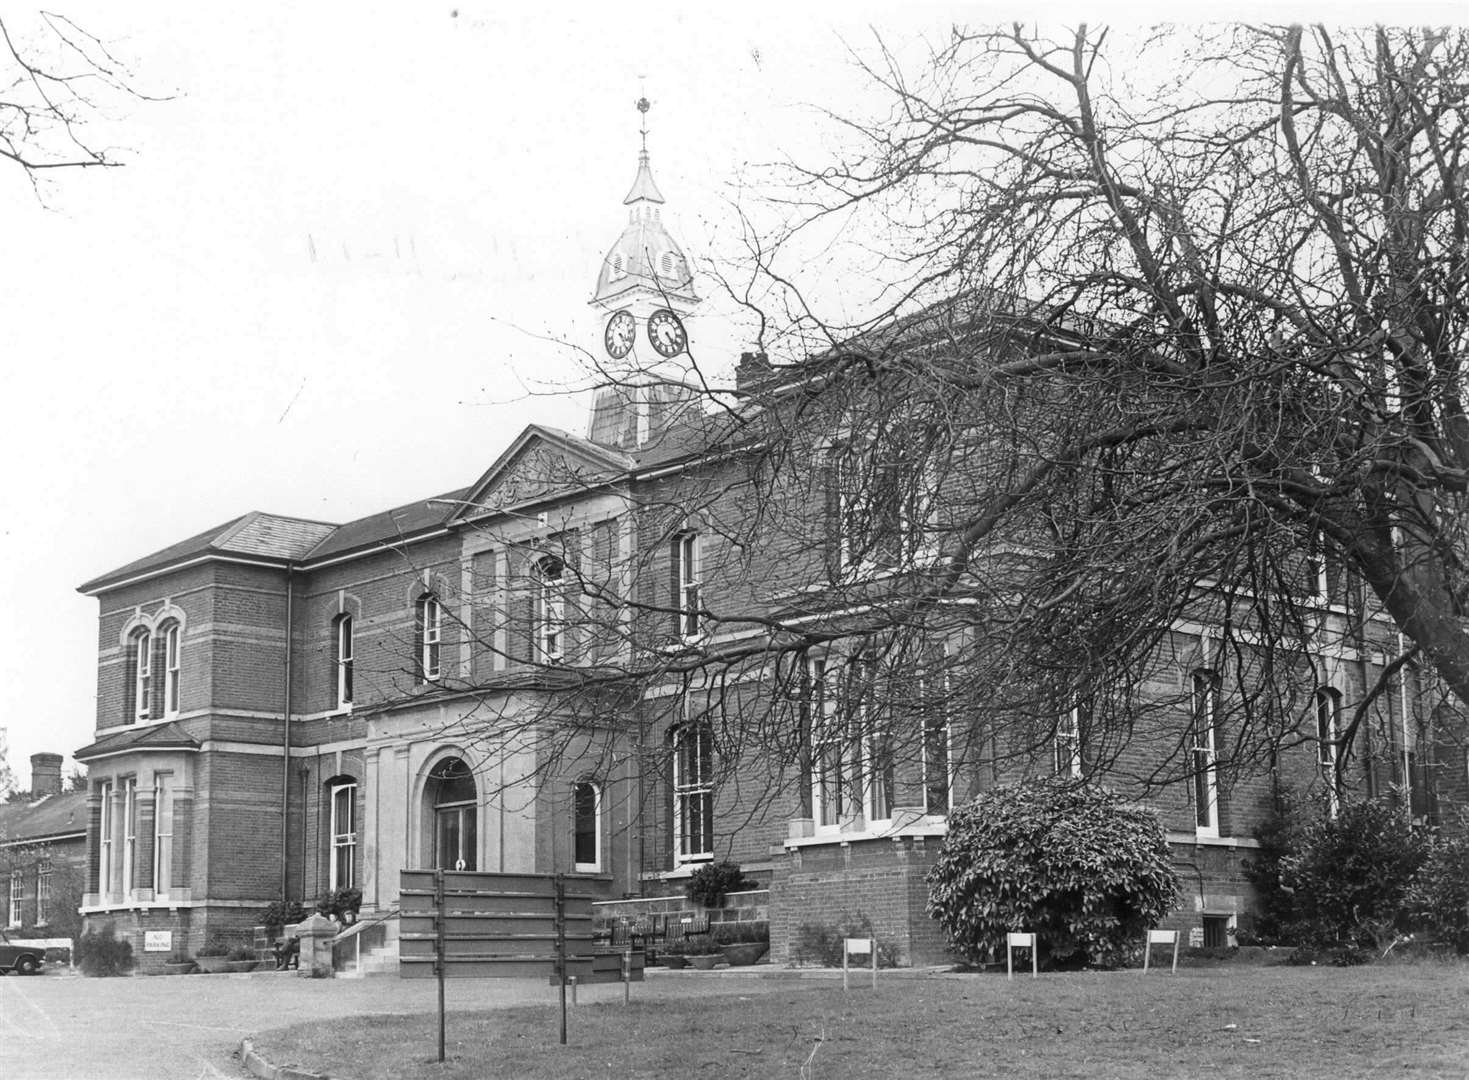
[[22, 959]]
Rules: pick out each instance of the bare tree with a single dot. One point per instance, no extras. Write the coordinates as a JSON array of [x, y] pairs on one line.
[[1161, 378], [55, 81]]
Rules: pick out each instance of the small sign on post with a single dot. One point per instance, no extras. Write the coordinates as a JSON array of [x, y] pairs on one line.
[[859, 946], [1015, 941]]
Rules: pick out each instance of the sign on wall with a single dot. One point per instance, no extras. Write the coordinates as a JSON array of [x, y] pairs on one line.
[[158, 941]]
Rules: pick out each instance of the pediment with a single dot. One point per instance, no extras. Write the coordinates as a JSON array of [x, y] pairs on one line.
[[542, 464]]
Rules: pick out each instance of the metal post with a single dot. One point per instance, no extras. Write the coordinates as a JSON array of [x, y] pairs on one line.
[[439, 948], [560, 948], [627, 976]]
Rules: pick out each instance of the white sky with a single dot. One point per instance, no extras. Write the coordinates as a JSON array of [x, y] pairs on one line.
[[339, 255]]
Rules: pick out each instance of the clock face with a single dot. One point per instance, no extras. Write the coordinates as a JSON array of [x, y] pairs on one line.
[[622, 331], [666, 333]]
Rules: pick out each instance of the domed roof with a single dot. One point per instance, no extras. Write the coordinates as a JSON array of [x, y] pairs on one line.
[[645, 254]]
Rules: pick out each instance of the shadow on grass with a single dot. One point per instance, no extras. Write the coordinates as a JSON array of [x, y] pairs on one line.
[[1305, 1023]]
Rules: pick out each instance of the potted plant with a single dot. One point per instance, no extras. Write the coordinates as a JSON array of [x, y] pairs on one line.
[[240, 959], [213, 955], [708, 884], [703, 954], [281, 913], [340, 904], [743, 943], [180, 963], [673, 956]]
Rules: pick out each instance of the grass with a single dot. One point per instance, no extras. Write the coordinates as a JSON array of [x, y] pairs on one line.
[[1301, 1023]]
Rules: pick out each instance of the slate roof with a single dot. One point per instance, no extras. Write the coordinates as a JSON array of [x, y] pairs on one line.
[[46, 818], [389, 526], [256, 534], [170, 736]]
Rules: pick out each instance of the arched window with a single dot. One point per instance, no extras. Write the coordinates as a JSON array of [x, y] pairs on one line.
[[430, 627], [587, 827], [453, 803], [142, 663], [1205, 767], [693, 791], [342, 794], [549, 632], [172, 669], [342, 646]]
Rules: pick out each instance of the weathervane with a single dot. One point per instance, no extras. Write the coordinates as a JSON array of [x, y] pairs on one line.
[[643, 106]]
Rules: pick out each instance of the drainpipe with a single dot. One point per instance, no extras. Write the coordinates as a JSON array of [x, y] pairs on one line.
[[286, 738]]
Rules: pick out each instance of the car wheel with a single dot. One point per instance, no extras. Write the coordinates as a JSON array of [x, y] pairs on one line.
[[27, 965]]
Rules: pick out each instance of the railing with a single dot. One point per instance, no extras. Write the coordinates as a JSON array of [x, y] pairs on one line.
[[369, 933]]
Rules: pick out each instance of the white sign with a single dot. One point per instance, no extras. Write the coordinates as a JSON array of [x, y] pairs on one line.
[[859, 945], [1196, 937], [158, 941]]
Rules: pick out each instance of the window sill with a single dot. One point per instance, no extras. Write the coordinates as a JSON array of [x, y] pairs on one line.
[[1203, 840], [922, 826]]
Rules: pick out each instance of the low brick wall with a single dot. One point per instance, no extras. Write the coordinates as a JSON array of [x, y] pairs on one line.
[[840, 884], [748, 906]]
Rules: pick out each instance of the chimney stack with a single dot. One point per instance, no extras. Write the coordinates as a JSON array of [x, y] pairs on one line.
[[753, 368], [45, 775]]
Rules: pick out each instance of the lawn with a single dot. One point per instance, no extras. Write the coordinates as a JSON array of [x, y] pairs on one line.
[[1301, 1023]]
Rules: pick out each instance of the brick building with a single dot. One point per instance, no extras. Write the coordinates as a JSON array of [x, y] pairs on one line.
[[43, 853], [532, 673]]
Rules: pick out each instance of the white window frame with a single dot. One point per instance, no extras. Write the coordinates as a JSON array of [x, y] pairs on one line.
[[172, 669], [1203, 734], [1067, 750], [693, 790], [344, 834], [1328, 744], [431, 630], [43, 891], [944, 730], [690, 571], [876, 767], [344, 669], [549, 605], [143, 676], [595, 866], [106, 826], [129, 834], [859, 513], [17, 897], [162, 838]]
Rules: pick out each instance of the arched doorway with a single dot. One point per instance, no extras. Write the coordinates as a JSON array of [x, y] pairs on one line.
[[452, 802]]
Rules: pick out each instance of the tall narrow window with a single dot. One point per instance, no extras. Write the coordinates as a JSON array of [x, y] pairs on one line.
[[171, 670], [1068, 741], [693, 791], [43, 893], [586, 829], [550, 609], [871, 737], [105, 837], [129, 835], [344, 661], [830, 787], [454, 805], [142, 675], [162, 837], [1204, 764], [686, 584], [17, 895], [344, 835], [1328, 745], [430, 632]]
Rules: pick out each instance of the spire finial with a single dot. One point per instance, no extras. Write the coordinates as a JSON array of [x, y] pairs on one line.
[[643, 105]]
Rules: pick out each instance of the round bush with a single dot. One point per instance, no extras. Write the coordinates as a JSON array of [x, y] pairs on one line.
[[1085, 871]]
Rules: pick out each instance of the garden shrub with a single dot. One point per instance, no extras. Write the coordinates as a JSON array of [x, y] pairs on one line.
[[1439, 894], [1274, 909], [710, 882], [1349, 877], [1088, 873], [821, 943], [102, 955]]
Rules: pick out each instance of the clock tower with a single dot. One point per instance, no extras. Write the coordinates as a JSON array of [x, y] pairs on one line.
[[645, 287]]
